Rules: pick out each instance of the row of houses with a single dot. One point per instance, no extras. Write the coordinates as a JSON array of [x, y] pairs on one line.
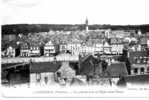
[[74, 47], [113, 46], [30, 49]]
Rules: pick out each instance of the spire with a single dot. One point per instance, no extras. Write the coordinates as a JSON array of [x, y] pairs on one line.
[[86, 24], [86, 21]]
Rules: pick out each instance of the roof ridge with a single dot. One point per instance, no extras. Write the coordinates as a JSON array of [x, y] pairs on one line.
[[85, 58]]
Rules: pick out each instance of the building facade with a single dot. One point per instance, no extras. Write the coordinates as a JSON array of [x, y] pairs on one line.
[[25, 50], [34, 50], [11, 51], [49, 49]]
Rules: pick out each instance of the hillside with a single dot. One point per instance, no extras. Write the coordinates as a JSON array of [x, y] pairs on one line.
[[34, 28]]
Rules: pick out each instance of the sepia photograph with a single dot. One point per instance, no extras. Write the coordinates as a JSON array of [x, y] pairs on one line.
[[75, 48]]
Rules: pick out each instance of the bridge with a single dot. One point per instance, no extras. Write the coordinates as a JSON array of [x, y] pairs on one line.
[[62, 57]]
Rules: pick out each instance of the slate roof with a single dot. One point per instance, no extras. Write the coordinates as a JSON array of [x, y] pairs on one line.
[[44, 67], [87, 67], [5, 66], [117, 69]]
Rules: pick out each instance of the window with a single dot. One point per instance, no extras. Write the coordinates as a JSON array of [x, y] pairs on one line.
[[147, 60], [136, 70], [38, 77], [142, 70], [58, 74], [147, 69], [144, 59], [138, 60], [141, 59]]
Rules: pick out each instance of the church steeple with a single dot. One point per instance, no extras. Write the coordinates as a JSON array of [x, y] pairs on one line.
[[86, 24]]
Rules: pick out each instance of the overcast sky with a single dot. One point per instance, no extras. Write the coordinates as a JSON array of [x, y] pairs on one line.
[[117, 12]]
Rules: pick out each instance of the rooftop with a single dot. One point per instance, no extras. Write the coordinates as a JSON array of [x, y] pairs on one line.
[[44, 67], [117, 69]]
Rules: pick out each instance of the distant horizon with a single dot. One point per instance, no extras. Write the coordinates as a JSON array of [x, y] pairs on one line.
[[76, 24], [27, 28]]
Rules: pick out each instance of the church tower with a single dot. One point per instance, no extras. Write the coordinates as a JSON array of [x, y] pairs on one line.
[[86, 25]]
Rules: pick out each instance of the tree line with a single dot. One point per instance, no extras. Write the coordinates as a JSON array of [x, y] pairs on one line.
[[35, 28]]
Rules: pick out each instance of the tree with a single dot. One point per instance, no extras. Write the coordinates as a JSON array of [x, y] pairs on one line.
[[104, 65]]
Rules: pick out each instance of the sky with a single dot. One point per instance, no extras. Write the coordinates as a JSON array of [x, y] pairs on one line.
[[114, 12]]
